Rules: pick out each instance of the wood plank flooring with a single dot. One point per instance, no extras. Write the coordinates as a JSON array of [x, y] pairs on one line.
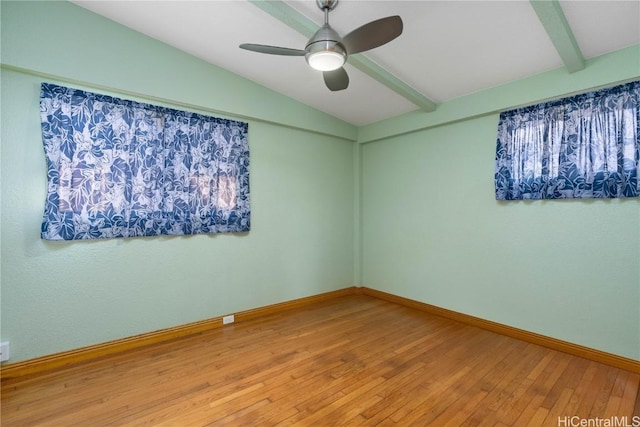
[[353, 360]]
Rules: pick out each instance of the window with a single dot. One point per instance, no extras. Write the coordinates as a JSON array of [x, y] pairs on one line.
[[585, 146], [119, 168]]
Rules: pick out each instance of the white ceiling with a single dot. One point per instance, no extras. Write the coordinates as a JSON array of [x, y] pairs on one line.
[[448, 48]]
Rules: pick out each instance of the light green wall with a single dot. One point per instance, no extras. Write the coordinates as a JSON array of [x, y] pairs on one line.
[[412, 214], [60, 296], [431, 229], [433, 232]]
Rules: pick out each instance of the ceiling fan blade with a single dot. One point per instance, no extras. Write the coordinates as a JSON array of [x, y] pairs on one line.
[[272, 50], [336, 79], [374, 34]]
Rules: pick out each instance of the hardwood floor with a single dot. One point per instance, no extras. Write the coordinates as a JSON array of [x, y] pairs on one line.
[[353, 360]]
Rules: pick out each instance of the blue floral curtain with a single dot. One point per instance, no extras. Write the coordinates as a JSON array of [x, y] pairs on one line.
[[119, 168], [585, 146]]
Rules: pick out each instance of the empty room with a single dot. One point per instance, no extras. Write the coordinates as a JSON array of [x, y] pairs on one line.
[[314, 213]]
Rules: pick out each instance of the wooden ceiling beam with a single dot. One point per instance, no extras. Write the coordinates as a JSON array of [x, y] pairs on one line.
[[555, 24]]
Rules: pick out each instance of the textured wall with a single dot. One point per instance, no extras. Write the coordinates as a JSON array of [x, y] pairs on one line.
[[60, 296], [412, 214], [433, 231]]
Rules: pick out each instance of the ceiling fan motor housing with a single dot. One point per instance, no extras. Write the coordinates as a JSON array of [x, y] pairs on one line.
[[325, 52]]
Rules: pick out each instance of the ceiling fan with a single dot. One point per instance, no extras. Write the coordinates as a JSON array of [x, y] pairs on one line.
[[326, 51]]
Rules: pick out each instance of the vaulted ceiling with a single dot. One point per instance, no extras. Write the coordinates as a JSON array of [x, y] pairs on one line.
[[448, 49]]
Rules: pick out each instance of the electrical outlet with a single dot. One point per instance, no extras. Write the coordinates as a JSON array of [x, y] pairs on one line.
[[228, 319], [4, 351]]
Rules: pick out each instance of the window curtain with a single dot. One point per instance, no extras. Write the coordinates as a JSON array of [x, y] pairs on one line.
[[585, 146], [119, 168]]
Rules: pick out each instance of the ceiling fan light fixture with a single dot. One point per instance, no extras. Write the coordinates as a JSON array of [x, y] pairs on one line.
[[326, 60], [325, 55]]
